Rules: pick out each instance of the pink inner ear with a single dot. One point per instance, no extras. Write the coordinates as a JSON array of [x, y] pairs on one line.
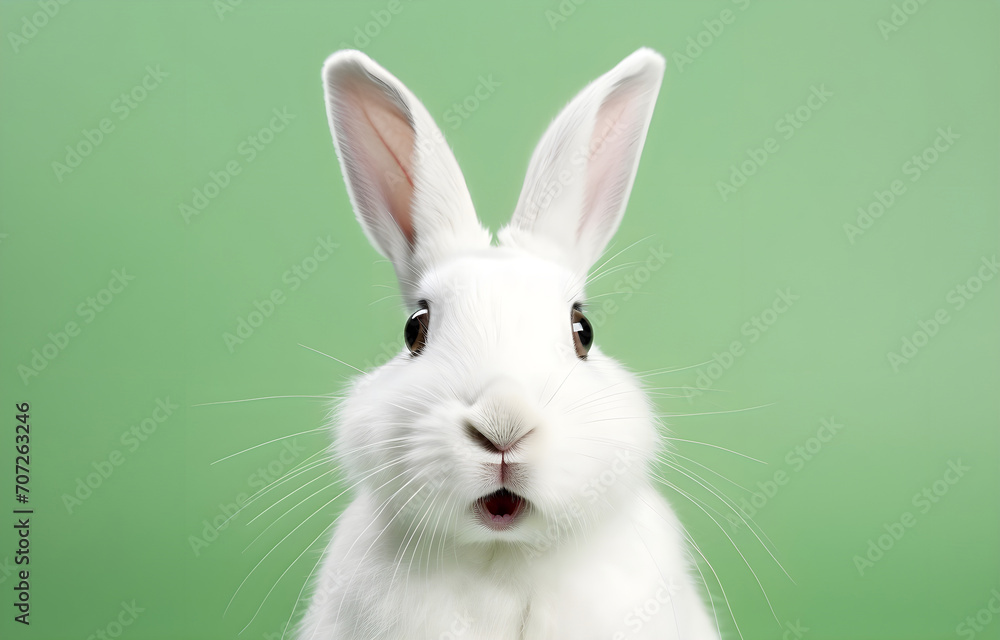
[[381, 141], [616, 131]]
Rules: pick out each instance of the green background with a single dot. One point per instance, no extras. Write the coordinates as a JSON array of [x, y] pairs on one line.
[[825, 357]]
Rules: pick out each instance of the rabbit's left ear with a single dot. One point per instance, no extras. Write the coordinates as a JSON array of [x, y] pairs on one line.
[[581, 173], [404, 183]]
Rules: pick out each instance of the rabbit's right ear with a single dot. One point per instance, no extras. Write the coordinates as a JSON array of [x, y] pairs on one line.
[[581, 173], [404, 183]]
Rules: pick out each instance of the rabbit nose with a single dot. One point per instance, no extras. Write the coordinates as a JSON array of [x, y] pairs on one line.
[[501, 418], [494, 441]]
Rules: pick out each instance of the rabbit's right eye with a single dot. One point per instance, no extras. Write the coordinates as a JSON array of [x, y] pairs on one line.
[[415, 331], [583, 333]]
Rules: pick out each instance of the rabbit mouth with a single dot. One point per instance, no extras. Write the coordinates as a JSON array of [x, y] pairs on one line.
[[500, 509]]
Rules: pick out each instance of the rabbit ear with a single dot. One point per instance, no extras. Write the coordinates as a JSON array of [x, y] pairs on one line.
[[406, 188], [581, 173]]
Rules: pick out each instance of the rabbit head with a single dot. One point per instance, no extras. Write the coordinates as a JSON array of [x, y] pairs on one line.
[[501, 422]]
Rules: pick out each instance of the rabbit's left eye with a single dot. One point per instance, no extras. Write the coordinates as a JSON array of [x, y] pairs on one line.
[[415, 331], [583, 333]]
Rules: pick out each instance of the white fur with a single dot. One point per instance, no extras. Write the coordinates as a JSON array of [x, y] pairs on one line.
[[408, 558]]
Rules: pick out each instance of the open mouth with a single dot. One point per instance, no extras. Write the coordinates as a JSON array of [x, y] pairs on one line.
[[500, 509]]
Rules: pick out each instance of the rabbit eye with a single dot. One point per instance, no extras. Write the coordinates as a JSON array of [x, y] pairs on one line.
[[583, 333], [415, 331]]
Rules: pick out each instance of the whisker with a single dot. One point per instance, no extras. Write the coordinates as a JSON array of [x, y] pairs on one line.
[[298, 598], [257, 446], [709, 469], [336, 359], [300, 502], [735, 546], [712, 413], [375, 302], [294, 472], [282, 499], [735, 508], [312, 572], [277, 545], [715, 446], [596, 271], [615, 418], [410, 532], [660, 372], [207, 404], [602, 395], [434, 531], [693, 545], [556, 392], [309, 546], [379, 535], [703, 557], [594, 277]]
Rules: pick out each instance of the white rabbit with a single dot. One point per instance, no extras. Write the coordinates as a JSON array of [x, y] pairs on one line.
[[501, 463]]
